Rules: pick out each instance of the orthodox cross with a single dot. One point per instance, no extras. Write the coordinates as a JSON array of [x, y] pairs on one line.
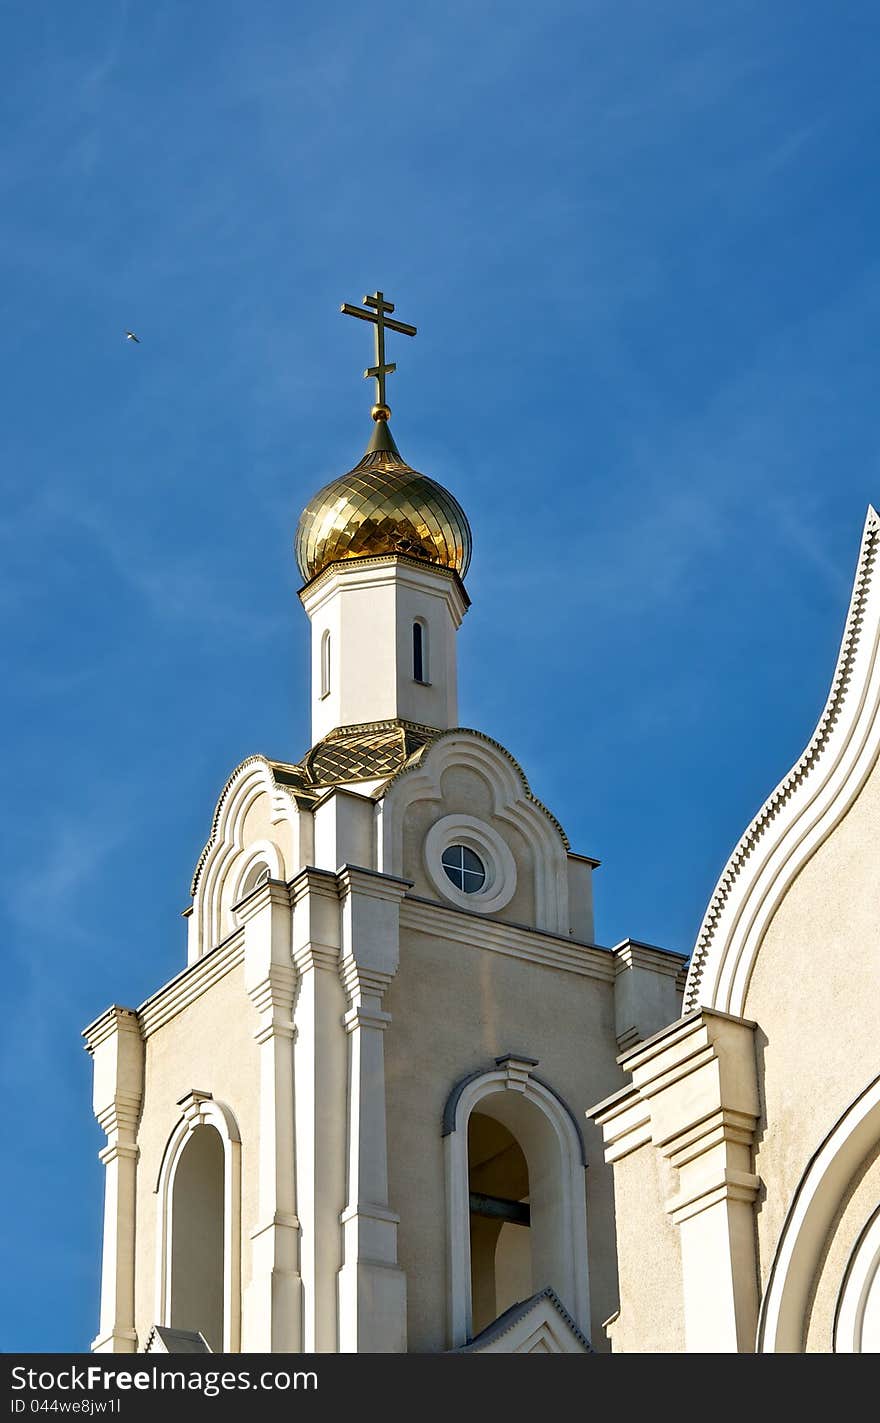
[[379, 314]]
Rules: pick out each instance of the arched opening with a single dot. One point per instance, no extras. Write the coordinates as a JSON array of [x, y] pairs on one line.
[[500, 1220], [810, 1215], [325, 663], [420, 651], [857, 1318], [197, 1237], [509, 1136]]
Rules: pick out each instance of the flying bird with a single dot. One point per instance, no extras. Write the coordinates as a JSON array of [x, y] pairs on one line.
[[130, 336]]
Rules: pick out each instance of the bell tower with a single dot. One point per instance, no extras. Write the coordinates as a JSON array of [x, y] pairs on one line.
[[355, 1121]]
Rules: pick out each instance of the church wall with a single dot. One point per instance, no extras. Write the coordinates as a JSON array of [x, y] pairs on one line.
[[466, 791], [455, 1008], [651, 1318], [207, 1046], [813, 995], [857, 1206]]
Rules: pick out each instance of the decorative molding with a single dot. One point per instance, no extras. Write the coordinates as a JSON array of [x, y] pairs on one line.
[[518, 1072], [804, 808], [625, 1119], [372, 883], [631, 953], [420, 757], [860, 1282], [532, 1326], [513, 940], [191, 983], [567, 1227], [113, 1020], [374, 570], [313, 881], [273, 998], [199, 1109], [246, 765], [694, 1098], [805, 1230], [270, 891], [512, 804], [116, 1046], [120, 1115], [694, 1089], [529, 1327], [498, 862], [218, 877]]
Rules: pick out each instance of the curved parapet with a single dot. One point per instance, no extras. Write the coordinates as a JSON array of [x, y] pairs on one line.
[[803, 810], [257, 828], [517, 834]]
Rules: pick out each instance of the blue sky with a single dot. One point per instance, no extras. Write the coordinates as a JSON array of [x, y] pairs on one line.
[[639, 242]]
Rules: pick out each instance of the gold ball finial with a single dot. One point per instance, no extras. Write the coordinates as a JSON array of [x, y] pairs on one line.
[[381, 412]]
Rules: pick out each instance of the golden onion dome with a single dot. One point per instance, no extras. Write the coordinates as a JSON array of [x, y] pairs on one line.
[[382, 506]]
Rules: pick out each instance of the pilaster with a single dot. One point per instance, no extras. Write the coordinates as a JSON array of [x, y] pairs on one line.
[[116, 1047], [321, 1072], [694, 1096], [273, 1312], [372, 1287], [646, 991]]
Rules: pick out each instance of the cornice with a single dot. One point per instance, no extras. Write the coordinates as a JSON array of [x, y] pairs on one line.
[[631, 953], [514, 941], [816, 764], [694, 1095], [348, 566], [271, 891], [113, 1020], [186, 987], [356, 879], [312, 881]]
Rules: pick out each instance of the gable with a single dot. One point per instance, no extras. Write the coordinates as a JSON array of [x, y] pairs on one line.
[[540, 1325]]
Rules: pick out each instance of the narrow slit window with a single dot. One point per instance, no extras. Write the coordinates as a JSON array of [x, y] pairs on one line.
[[419, 659], [325, 665]]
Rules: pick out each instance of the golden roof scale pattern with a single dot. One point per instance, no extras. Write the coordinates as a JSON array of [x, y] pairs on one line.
[[382, 506], [374, 751]]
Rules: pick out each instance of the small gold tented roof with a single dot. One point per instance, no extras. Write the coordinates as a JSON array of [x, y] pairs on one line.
[[372, 751], [382, 506]]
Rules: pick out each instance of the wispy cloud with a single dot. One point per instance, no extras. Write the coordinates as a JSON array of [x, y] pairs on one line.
[[186, 589]]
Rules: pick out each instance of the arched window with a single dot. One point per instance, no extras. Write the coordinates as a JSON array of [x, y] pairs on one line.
[[197, 1238], [198, 1278], [420, 651], [325, 663], [500, 1220], [256, 875], [515, 1196]]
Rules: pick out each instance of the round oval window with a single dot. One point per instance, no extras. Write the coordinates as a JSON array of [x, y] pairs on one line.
[[464, 868]]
